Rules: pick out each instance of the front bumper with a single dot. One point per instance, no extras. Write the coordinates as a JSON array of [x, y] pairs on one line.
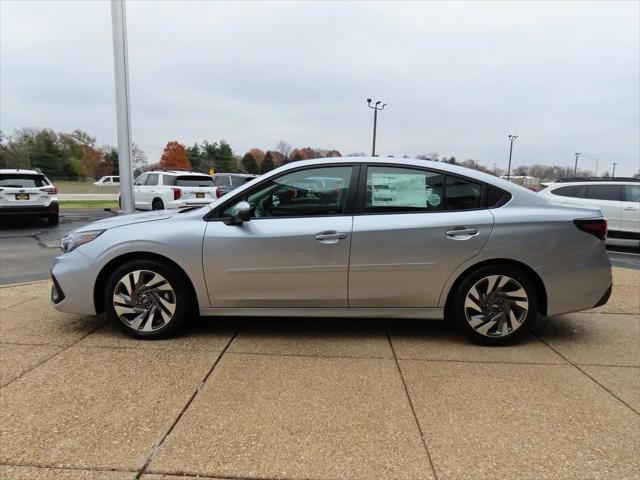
[[73, 282]]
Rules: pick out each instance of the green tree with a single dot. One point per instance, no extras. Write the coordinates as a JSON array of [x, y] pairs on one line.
[[267, 163], [249, 163]]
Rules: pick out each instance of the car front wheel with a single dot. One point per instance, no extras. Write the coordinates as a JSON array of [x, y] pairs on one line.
[[494, 304], [148, 299]]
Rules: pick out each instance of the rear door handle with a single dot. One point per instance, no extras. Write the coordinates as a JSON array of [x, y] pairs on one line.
[[330, 236], [631, 209], [459, 232]]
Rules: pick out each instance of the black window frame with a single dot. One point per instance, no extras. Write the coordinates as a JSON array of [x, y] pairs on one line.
[[216, 215]]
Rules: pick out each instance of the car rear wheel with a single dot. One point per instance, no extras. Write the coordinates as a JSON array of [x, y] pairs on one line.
[[494, 304], [157, 204], [148, 299]]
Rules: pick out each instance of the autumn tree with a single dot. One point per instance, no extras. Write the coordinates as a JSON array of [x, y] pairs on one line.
[[249, 163], [258, 155], [333, 153], [174, 156], [90, 161], [267, 163]]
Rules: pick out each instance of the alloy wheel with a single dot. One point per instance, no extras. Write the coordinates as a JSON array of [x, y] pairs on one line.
[[496, 306], [144, 300]]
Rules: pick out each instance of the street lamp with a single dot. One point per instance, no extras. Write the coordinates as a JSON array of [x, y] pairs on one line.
[[512, 138], [375, 108], [575, 167], [613, 174]]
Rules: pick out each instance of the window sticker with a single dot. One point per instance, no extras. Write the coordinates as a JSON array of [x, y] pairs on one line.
[[399, 190]]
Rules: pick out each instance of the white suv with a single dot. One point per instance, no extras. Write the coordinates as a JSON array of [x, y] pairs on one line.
[[28, 193], [617, 198], [158, 190]]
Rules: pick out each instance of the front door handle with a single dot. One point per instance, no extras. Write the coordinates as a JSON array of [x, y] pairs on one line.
[[330, 236], [462, 232], [630, 209]]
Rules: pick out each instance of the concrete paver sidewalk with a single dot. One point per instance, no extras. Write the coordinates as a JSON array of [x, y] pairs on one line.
[[318, 399]]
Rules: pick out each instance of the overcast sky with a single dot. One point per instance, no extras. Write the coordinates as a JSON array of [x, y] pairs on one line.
[[459, 76]]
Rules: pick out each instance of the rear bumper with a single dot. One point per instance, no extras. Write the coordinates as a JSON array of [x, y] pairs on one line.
[[52, 208], [579, 282], [605, 297]]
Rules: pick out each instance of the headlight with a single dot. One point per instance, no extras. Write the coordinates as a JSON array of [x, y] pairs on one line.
[[74, 240]]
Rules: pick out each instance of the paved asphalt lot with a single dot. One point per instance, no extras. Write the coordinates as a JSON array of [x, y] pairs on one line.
[[318, 399], [27, 247]]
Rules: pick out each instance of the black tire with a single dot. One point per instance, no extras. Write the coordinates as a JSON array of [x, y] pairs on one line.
[[457, 311], [182, 298], [53, 219], [157, 204]]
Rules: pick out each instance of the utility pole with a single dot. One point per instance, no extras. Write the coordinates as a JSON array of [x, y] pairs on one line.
[[375, 108], [575, 167], [123, 111], [613, 174], [512, 138]]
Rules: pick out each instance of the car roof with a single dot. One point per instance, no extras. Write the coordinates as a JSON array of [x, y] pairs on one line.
[[20, 170], [592, 182]]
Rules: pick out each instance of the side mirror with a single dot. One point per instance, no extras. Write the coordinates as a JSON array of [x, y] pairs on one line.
[[241, 213]]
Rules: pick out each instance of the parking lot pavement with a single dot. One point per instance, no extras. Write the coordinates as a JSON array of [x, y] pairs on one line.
[[321, 399], [27, 245]]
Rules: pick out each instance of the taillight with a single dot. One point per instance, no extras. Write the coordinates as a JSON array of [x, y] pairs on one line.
[[49, 190], [594, 226], [177, 193], [218, 193]]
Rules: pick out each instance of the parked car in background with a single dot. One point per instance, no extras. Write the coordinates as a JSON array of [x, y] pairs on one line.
[[28, 193], [171, 189], [359, 237], [227, 182], [617, 198], [108, 181]]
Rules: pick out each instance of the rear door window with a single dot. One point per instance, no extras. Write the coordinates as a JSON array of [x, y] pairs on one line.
[[604, 192], [394, 189], [12, 180], [632, 193], [462, 194]]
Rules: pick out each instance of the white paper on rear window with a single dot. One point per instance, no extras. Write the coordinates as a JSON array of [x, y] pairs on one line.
[[398, 190]]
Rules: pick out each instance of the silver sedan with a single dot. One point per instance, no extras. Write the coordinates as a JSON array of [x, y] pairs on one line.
[[348, 237]]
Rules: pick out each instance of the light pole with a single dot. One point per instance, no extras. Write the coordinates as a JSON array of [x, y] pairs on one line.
[[613, 174], [123, 111], [575, 167], [512, 138], [375, 121]]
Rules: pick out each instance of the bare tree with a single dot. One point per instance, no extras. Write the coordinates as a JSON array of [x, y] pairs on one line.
[[283, 148]]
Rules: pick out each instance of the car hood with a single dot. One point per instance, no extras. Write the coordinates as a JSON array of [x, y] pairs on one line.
[[121, 220]]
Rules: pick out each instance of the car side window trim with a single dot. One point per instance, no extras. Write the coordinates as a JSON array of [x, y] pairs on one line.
[[216, 214], [360, 208]]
